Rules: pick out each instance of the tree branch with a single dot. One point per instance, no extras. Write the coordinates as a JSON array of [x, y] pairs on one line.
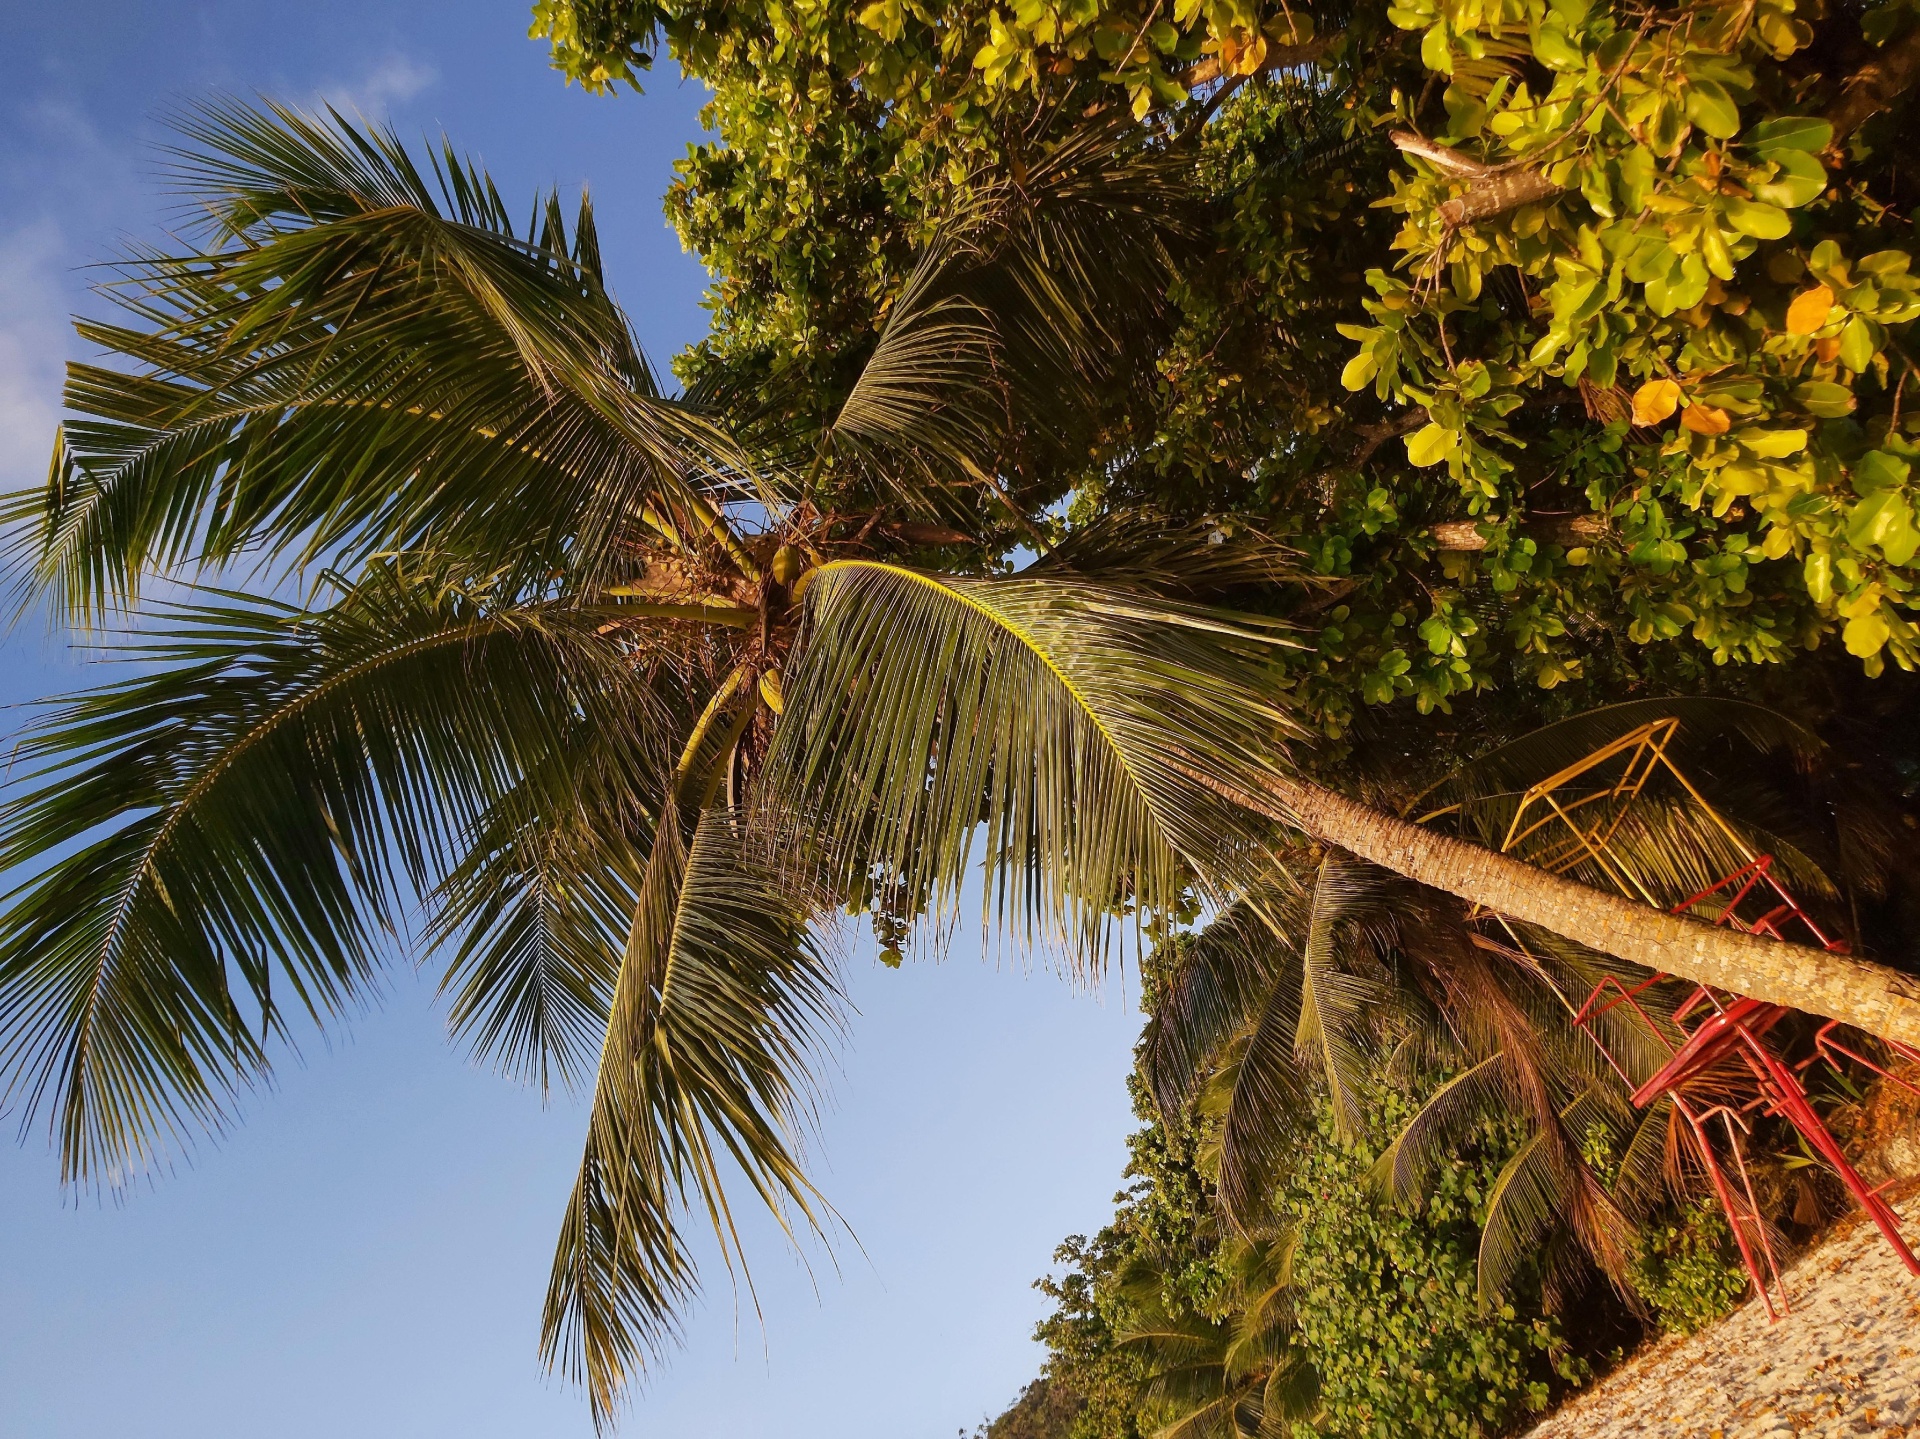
[[1372, 437], [1569, 531], [1494, 189], [1875, 85]]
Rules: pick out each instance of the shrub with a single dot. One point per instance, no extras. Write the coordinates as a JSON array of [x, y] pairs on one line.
[[1387, 1298], [1686, 1269]]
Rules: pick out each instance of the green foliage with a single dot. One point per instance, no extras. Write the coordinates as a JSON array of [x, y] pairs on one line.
[[1600, 391], [1687, 1270], [1164, 1222], [1387, 1298], [1388, 1335], [1684, 320]]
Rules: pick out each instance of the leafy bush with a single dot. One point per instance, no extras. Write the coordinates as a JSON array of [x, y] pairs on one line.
[[1387, 1299], [1686, 1270]]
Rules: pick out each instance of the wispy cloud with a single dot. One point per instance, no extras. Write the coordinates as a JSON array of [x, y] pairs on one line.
[[33, 342], [393, 80], [64, 192], [62, 170]]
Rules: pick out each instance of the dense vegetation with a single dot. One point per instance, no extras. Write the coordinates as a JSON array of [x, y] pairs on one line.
[[1140, 449], [1419, 364], [1569, 342]]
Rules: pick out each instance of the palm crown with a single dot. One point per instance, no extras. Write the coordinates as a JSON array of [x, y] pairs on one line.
[[628, 704]]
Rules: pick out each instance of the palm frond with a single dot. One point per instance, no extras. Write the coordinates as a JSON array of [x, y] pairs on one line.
[[1054, 726], [360, 362], [926, 414], [721, 1001], [1291, 1398], [1334, 999], [1208, 561], [1022, 305], [1223, 979], [229, 829], [1542, 1188], [535, 917], [1439, 1124], [1643, 1182], [1204, 1408], [1263, 1285]]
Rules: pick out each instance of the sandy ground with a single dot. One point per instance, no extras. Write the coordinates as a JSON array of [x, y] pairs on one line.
[[1845, 1362]]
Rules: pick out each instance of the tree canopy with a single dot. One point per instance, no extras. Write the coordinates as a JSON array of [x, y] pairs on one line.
[[1569, 340]]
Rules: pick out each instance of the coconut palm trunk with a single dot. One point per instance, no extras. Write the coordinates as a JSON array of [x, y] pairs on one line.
[[1872, 997]]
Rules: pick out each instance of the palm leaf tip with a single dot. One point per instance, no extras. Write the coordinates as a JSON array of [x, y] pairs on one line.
[[722, 1002], [366, 357]]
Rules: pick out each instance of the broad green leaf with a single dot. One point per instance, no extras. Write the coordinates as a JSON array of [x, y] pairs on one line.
[[1773, 444], [1360, 370], [1879, 470], [1859, 343], [1818, 571], [1884, 519], [1431, 444], [1552, 48], [884, 17], [1803, 133], [1825, 399], [1763, 222], [1885, 262], [1711, 108], [1800, 180]]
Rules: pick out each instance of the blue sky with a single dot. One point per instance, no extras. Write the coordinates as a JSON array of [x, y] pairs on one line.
[[366, 1254]]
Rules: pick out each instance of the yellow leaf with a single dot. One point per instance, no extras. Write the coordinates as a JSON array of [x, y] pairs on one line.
[[1809, 310], [1865, 634], [1655, 402], [770, 691], [1243, 57], [1359, 370], [1819, 573], [1431, 444], [1705, 420]]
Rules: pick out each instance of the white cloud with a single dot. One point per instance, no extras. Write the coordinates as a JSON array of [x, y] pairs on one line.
[[33, 347], [64, 192], [391, 81], [63, 189]]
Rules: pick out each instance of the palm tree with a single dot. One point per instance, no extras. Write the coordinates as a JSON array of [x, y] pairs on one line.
[[626, 744], [1235, 1373], [629, 704]]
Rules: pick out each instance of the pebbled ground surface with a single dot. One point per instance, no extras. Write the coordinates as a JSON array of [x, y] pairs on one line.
[[1845, 1362]]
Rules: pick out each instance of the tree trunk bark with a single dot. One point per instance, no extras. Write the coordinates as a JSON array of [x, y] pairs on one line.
[[1868, 996]]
